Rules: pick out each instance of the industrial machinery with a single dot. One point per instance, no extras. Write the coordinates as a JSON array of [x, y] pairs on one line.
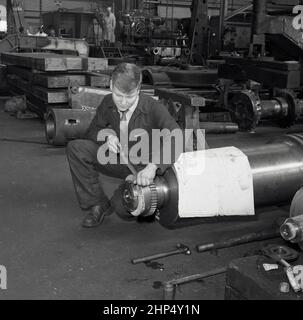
[[273, 61], [248, 108], [276, 169], [153, 37]]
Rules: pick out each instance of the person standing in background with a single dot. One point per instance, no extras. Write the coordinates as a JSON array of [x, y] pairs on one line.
[[98, 32], [109, 26]]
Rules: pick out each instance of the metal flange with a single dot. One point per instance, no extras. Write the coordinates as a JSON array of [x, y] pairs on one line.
[[293, 109], [246, 110]]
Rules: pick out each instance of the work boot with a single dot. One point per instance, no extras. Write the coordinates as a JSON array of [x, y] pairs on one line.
[[96, 215]]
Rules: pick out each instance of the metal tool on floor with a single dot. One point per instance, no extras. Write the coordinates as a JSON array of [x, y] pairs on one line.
[[246, 238], [169, 287], [181, 249], [281, 255]]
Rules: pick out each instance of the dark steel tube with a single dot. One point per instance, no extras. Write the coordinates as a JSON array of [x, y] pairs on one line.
[[247, 238]]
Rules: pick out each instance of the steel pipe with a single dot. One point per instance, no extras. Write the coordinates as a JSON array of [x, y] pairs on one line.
[[63, 125]]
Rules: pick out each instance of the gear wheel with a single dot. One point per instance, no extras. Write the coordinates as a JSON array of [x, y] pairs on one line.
[[153, 201]]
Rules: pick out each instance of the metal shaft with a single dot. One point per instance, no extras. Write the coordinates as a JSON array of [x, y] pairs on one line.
[[250, 237], [158, 256], [219, 127]]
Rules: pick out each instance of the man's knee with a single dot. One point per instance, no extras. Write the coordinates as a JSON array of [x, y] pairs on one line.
[[80, 147]]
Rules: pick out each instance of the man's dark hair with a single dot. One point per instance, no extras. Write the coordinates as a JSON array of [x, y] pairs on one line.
[[126, 77]]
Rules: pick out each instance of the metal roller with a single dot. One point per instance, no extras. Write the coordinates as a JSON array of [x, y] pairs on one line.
[[63, 125], [277, 171], [248, 109]]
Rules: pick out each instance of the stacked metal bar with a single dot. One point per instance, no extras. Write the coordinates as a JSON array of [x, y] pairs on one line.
[[45, 77]]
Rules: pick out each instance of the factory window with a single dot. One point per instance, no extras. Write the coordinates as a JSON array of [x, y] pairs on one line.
[[3, 20]]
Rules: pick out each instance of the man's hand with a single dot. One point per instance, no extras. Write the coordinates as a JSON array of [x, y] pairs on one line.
[[146, 176], [113, 143]]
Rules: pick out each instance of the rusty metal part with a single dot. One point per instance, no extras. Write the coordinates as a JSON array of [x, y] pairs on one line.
[[292, 229], [247, 238], [63, 125], [181, 249], [169, 287]]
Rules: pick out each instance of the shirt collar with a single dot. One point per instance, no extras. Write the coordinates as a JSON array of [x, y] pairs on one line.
[[139, 107], [132, 108]]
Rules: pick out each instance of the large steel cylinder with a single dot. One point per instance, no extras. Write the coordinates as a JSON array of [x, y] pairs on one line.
[[277, 171], [64, 125]]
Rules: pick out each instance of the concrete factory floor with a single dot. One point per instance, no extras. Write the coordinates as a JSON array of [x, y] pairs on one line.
[[48, 255]]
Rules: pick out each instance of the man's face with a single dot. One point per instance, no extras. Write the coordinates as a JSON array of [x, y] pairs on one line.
[[124, 101]]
